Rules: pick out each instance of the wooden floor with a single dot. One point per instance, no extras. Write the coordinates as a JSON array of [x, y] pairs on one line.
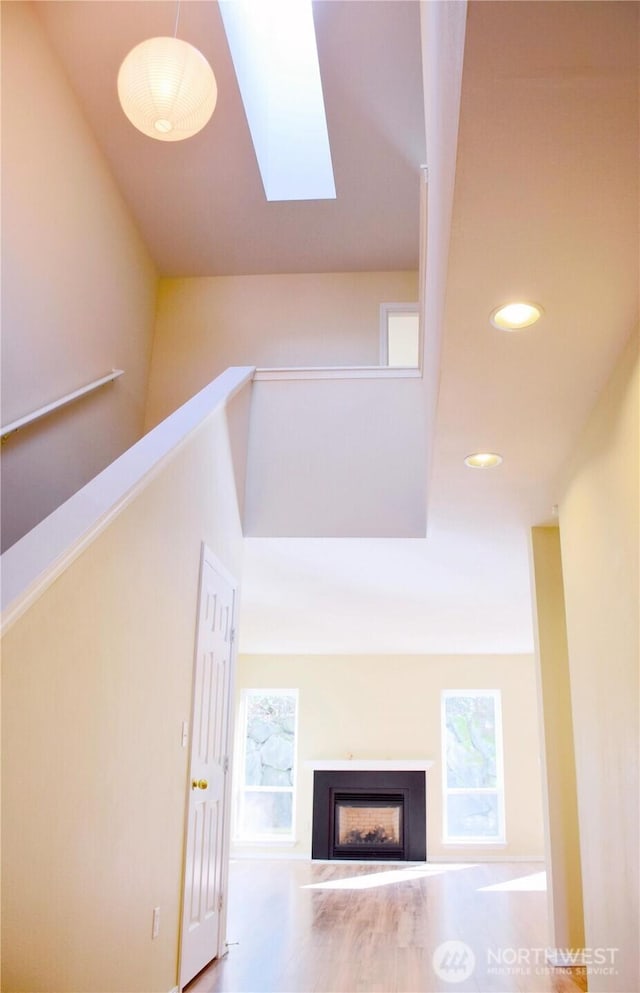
[[302, 927]]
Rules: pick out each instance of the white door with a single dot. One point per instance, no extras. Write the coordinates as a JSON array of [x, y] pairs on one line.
[[206, 847]]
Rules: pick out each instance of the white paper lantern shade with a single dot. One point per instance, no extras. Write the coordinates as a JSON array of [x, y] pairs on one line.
[[167, 89]]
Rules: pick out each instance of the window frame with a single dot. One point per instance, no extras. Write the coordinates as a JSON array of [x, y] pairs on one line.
[[241, 789], [386, 309], [498, 790]]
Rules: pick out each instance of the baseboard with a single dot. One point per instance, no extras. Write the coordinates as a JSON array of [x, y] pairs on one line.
[[275, 854], [463, 857], [306, 857]]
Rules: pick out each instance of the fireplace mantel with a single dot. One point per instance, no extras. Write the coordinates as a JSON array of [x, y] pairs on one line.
[[373, 765]]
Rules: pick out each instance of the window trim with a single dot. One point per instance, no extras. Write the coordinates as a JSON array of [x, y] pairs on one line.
[[497, 791], [398, 308], [240, 789]]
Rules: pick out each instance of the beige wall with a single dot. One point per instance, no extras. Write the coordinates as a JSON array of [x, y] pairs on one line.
[[78, 294], [96, 682], [562, 833], [600, 549], [389, 707], [206, 324], [316, 448]]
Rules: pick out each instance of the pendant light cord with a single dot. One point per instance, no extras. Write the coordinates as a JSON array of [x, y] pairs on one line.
[[175, 30]]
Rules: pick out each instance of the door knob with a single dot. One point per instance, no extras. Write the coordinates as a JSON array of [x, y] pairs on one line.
[[199, 784]]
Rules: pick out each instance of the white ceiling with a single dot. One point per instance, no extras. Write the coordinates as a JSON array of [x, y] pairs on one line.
[[545, 208]]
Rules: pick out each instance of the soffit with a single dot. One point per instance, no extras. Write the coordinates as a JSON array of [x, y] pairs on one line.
[[545, 209]]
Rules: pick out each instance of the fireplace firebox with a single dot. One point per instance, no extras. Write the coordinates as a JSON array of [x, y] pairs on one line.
[[369, 825], [373, 815]]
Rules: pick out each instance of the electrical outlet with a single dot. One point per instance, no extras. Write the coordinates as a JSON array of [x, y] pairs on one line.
[[155, 927]]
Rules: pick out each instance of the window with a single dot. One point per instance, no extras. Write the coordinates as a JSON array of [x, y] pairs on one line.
[[400, 335], [266, 765], [473, 802]]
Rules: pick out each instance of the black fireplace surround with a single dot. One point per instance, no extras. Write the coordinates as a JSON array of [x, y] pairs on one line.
[[406, 789]]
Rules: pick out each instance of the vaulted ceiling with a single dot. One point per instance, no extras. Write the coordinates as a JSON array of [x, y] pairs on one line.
[[545, 208], [199, 203]]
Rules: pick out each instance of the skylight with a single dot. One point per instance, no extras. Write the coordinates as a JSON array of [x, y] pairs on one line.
[[273, 47]]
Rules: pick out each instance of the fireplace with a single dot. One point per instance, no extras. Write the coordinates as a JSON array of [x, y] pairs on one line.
[[369, 814]]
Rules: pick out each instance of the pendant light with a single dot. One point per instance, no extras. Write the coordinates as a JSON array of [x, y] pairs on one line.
[[167, 88]]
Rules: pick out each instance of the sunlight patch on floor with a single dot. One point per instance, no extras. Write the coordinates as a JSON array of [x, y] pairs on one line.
[[387, 877], [536, 882]]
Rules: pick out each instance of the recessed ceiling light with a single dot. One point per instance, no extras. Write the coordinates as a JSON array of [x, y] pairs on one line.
[[483, 460], [515, 316]]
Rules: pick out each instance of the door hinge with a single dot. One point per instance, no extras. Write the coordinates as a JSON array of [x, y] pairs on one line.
[[233, 635], [226, 764], [220, 901]]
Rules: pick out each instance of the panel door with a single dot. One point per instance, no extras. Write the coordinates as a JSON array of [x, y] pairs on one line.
[[206, 837]]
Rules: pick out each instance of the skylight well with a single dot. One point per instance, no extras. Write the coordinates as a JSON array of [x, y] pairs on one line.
[[274, 52]]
